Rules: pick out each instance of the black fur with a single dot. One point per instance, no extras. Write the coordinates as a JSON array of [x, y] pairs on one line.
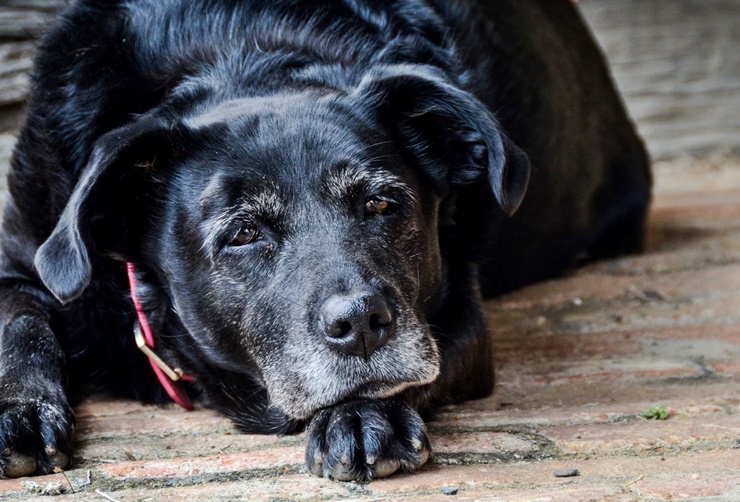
[[258, 161]]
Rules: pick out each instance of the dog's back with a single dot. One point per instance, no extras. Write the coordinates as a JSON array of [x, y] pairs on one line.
[[590, 185]]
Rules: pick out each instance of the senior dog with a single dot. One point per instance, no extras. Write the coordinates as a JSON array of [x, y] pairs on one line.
[[295, 208]]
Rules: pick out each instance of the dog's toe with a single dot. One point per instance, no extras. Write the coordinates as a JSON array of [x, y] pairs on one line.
[[364, 440], [35, 438], [55, 428], [343, 460], [316, 443], [56, 458]]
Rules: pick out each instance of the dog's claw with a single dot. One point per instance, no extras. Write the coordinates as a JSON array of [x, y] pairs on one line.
[[385, 467], [375, 440], [56, 457], [59, 459], [423, 457]]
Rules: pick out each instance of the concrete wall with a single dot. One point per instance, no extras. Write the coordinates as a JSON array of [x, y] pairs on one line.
[[677, 63]]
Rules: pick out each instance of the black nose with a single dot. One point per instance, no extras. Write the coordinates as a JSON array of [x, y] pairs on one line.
[[357, 324]]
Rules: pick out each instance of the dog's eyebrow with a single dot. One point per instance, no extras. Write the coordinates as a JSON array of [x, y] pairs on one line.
[[227, 203], [348, 179]]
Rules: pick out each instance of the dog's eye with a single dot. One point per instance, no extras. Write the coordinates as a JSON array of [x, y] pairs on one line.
[[245, 235], [377, 206]]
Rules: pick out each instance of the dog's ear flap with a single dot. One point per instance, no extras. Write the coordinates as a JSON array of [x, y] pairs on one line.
[[63, 261], [452, 133]]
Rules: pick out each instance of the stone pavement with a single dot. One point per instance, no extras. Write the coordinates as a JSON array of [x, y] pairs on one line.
[[579, 360]]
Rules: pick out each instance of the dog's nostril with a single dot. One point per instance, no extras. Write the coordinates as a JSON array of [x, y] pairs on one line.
[[340, 329], [381, 319]]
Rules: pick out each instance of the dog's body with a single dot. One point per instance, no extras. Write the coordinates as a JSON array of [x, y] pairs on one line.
[[315, 194]]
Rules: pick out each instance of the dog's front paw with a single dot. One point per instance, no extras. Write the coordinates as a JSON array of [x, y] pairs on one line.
[[35, 434], [366, 439]]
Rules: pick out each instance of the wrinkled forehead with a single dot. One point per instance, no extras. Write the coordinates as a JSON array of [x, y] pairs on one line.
[[284, 147]]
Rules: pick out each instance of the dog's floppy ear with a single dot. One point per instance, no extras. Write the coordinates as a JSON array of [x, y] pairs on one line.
[[63, 261], [452, 133]]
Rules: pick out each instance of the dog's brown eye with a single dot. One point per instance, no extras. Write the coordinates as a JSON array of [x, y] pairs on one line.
[[376, 206], [244, 236]]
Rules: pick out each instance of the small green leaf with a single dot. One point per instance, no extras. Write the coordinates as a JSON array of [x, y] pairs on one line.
[[655, 413]]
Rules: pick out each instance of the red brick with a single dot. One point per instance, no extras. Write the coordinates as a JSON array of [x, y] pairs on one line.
[[632, 438], [292, 487], [720, 343], [620, 316], [690, 486], [653, 284], [680, 176], [674, 250], [482, 442], [146, 447], [10, 487], [564, 290], [149, 420], [591, 404], [708, 207], [629, 370], [610, 474], [185, 467], [729, 368]]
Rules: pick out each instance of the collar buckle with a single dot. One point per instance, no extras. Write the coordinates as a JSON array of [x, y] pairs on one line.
[[173, 374]]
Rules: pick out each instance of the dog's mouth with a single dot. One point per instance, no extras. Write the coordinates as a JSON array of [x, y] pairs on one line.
[[303, 384], [370, 390], [377, 390]]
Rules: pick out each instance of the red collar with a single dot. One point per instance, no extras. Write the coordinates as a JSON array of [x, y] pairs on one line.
[[170, 378]]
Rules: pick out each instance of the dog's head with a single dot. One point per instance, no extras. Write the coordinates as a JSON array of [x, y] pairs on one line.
[[295, 235]]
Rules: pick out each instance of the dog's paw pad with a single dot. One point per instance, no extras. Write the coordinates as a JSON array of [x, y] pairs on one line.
[[364, 440]]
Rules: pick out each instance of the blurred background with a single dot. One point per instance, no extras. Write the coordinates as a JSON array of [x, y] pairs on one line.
[[676, 62]]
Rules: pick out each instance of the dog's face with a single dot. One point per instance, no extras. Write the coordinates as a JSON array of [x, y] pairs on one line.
[[297, 244], [296, 235]]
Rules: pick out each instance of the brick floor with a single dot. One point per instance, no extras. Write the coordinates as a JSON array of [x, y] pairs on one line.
[[578, 360]]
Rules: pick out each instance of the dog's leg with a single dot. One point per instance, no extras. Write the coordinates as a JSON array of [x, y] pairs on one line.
[[36, 421], [464, 343]]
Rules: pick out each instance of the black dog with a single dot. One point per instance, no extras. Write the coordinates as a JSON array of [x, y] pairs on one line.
[[314, 196]]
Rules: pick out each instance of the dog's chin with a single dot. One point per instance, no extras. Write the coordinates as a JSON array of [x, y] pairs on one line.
[[384, 390], [305, 409]]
